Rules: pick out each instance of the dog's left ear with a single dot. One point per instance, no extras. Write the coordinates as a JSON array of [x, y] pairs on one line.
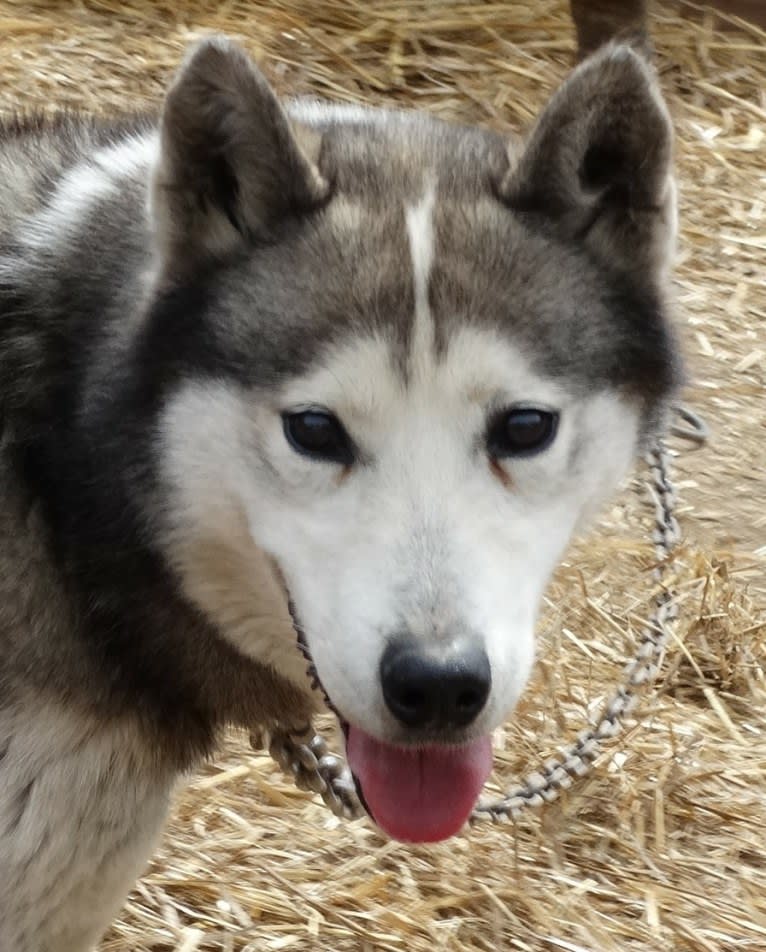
[[597, 167], [231, 166]]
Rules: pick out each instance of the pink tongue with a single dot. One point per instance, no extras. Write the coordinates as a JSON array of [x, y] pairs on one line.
[[419, 796]]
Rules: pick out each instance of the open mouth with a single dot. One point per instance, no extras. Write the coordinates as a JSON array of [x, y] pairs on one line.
[[417, 794]]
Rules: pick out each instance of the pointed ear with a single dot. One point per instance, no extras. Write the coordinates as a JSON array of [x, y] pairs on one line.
[[598, 164], [230, 165]]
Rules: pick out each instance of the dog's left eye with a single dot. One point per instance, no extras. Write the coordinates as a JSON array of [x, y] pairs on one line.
[[521, 431], [320, 435]]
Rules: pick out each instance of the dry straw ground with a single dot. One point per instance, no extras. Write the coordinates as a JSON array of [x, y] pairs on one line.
[[663, 846]]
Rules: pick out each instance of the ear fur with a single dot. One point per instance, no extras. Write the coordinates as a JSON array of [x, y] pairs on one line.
[[598, 164], [230, 165]]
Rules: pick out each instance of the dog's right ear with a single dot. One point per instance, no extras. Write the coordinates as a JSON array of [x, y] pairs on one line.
[[230, 166]]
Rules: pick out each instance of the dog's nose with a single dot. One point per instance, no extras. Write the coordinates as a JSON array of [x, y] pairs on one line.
[[422, 689]]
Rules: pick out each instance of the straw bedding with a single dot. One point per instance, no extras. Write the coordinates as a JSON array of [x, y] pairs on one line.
[[663, 845]]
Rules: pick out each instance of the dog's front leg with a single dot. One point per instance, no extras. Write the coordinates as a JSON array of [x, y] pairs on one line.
[[80, 812]]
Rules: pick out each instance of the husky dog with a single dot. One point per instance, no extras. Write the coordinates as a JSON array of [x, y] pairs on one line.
[[263, 367]]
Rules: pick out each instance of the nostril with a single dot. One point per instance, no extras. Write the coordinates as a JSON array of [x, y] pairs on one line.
[[412, 700], [468, 700], [408, 689]]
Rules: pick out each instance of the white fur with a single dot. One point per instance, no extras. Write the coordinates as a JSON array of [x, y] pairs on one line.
[[207, 433], [85, 185], [419, 219], [77, 192], [422, 534], [79, 817], [129, 156], [317, 112]]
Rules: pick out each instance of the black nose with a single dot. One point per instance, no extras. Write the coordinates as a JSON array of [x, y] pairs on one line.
[[424, 689]]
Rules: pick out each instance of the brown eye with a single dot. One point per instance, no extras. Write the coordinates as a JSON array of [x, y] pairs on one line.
[[319, 435], [521, 431]]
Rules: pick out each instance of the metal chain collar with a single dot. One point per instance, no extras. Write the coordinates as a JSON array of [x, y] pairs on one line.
[[306, 757]]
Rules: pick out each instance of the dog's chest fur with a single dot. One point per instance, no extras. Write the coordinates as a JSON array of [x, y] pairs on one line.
[[79, 813]]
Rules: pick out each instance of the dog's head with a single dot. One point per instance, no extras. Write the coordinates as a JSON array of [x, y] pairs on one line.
[[427, 354]]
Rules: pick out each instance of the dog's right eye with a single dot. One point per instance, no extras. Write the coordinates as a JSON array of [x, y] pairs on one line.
[[319, 435]]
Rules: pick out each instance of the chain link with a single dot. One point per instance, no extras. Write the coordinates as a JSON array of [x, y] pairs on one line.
[[306, 756]]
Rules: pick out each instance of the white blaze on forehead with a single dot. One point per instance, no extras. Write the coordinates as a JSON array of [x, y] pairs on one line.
[[420, 232]]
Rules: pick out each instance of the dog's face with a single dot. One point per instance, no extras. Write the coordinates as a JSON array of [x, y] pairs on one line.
[[430, 359]]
